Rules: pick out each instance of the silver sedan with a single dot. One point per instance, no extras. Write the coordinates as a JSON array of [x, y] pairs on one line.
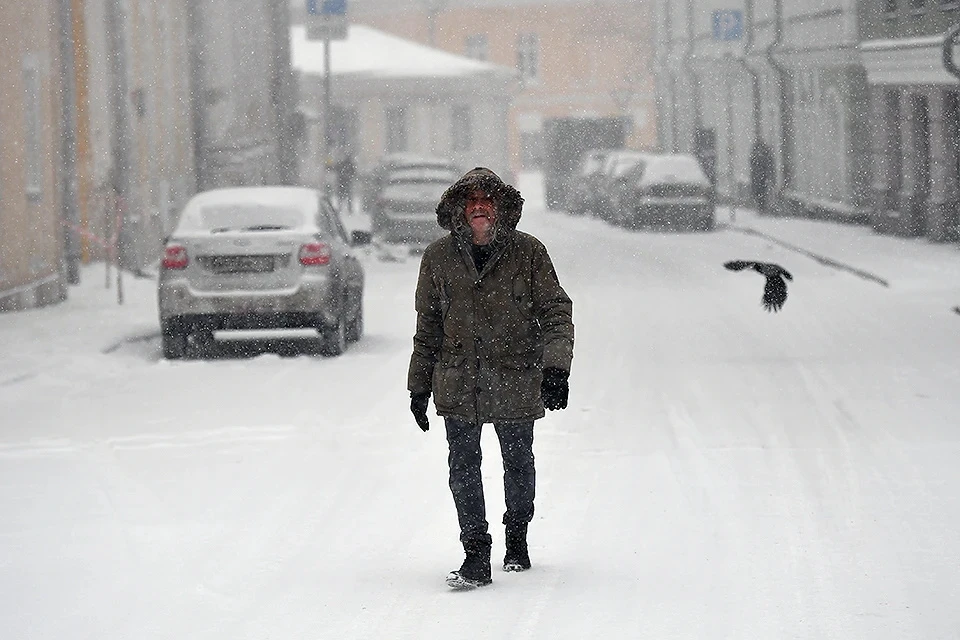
[[260, 258]]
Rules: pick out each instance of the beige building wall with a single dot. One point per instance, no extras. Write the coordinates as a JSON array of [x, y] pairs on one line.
[[30, 230], [159, 113], [595, 59]]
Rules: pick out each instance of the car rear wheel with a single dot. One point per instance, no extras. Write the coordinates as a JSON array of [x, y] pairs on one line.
[[335, 337], [355, 330], [173, 344]]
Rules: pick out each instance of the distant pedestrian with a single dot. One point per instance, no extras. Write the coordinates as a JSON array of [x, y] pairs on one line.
[[346, 170], [761, 175], [494, 343]]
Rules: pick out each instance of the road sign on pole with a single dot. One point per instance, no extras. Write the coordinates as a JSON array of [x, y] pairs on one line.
[[326, 19], [728, 25]]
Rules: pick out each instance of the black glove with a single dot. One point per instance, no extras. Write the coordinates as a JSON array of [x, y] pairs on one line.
[[554, 389], [418, 407]]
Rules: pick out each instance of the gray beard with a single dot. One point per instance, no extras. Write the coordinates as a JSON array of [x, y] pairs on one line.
[[463, 230]]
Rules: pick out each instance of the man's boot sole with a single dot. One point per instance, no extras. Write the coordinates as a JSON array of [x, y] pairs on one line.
[[458, 583], [514, 567]]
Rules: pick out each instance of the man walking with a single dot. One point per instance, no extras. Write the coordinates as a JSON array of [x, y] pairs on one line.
[[494, 344], [761, 175], [346, 170]]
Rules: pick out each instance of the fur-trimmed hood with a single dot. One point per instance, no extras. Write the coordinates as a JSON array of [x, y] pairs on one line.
[[506, 199]]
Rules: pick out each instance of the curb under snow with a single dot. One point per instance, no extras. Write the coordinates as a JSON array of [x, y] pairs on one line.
[[828, 262]]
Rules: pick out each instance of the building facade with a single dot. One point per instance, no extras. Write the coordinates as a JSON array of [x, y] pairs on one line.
[[915, 111], [576, 60], [391, 95], [31, 233], [786, 74], [244, 92], [135, 157]]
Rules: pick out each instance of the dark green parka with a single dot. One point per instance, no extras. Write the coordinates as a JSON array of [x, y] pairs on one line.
[[483, 339]]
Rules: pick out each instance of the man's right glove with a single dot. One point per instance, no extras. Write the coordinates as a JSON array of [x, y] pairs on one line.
[[418, 407], [554, 389]]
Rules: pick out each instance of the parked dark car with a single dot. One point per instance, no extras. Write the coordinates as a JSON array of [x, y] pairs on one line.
[[583, 188], [260, 258], [403, 198], [666, 191]]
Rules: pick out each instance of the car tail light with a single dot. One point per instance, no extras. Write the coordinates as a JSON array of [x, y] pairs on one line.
[[175, 257], [314, 254]]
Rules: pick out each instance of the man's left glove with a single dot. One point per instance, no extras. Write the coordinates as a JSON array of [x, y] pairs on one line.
[[554, 389], [418, 407]]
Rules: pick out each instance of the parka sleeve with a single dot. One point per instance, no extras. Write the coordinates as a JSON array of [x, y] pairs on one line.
[[554, 310], [429, 335]]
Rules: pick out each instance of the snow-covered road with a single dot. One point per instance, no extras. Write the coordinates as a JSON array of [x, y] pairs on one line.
[[721, 472]]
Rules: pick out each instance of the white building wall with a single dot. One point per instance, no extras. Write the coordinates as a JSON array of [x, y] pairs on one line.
[[818, 40]]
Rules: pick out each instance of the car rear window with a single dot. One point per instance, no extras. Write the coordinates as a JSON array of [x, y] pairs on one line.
[[421, 191], [423, 174], [675, 170], [592, 164], [240, 217]]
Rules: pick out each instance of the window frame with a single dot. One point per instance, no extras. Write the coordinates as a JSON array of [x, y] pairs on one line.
[[528, 57], [32, 127], [477, 47]]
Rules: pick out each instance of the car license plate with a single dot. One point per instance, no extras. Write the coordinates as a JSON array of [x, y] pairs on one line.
[[242, 264]]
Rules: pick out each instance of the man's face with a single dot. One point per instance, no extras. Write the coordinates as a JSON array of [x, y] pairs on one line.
[[481, 215]]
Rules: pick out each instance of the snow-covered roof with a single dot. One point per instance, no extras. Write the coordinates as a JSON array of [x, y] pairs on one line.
[[368, 51]]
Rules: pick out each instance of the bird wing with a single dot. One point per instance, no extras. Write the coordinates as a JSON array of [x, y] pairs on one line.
[[770, 269], [774, 293], [738, 265]]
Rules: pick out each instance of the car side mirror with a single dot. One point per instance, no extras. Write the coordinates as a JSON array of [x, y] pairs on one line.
[[360, 237]]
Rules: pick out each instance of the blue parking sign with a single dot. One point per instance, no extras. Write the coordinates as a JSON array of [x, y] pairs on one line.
[[327, 7], [728, 25]]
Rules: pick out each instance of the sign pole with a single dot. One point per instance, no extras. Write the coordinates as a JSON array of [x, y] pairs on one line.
[[327, 160], [326, 21], [728, 30]]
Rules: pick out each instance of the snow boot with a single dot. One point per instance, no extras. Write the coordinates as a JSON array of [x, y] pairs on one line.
[[517, 558], [475, 570]]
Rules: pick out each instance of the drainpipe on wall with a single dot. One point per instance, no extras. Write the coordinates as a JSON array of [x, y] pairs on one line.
[[754, 74], [949, 41], [198, 93], [668, 72], [688, 65], [121, 136], [785, 107], [68, 148]]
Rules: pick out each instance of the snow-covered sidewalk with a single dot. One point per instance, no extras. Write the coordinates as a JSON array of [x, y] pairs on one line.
[[62, 340], [904, 264]]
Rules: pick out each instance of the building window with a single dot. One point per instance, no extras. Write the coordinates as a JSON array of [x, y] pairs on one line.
[[461, 128], [528, 57], [476, 46], [952, 119], [32, 131], [396, 129], [895, 147]]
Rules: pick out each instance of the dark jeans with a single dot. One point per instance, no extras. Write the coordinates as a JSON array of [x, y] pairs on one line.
[[519, 475]]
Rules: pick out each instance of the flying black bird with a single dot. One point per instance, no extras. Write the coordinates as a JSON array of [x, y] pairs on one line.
[[775, 289]]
